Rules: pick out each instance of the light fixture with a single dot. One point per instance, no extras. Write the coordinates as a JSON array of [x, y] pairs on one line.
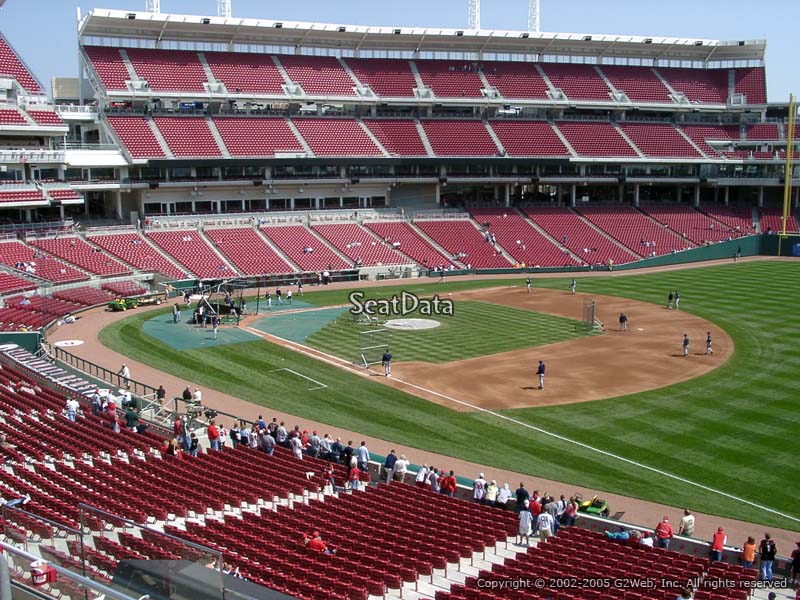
[[698, 43], [648, 40], [587, 38], [342, 29], [397, 32], [206, 21], [131, 16], [278, 25], [524, 36], [459, 33]]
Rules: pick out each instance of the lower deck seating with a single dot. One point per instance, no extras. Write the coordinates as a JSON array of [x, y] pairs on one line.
[[304, 249], [358, 245], [464, 243], [402, 236]]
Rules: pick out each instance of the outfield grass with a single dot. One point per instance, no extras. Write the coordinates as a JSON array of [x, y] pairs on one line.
[[733, 429], [463, 335]]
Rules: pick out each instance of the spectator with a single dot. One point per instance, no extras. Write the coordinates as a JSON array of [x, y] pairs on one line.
[[296, 444], [400, 469], [749, 553], [525, 523], [347, 454], [545, 525], [354, 476], [235, 434], [131, 418], [125, 374], [197, 397], [795, 572], [492, 490], [718, 542], [194, 444], [422, 476], [187, 393], [503, 496], [223, 436], [479, 489], [337, 448], [388, 465], [570, 513], [433, 480], [521, 496], [96, 402], [213, 435], [687, 524], [244, 435], [325, 445], [647, 539], [316, 544], [663, 533], [363, 456], [282, 436], [266, 443], [450, 484], [767, 550], [73, 406], [161, 393], [314, 444]]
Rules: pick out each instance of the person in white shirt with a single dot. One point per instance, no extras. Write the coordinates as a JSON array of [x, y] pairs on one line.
[[525, 524], [400, 469], [544, 524], [479, 489], [646, 540], [73, 406], [503, 496], [197, 397], [297, 447], [422, 476], [125, 373]]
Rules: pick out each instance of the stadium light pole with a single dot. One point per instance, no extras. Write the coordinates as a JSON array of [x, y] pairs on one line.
[[224, 8], [153, 6], [533, 16], [473, 14]]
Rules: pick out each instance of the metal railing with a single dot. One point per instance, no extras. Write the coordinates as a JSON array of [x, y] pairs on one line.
[[107, 376]]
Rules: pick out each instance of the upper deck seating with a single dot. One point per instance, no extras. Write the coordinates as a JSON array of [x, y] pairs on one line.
[[23, 197], [751, 82], [459, 137], [168, 70], [304, 249], [12, 66], [246, 73], [763, 132], [110, 67], [516, 80], [700, 86], [248, 251], [451, 79], [318, 75], [134, 250], [387, 77], [640, 84], [12, 116], [578, 82], [701, 134]]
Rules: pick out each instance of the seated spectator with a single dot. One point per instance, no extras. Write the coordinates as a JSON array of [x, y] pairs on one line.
[[646, 540]]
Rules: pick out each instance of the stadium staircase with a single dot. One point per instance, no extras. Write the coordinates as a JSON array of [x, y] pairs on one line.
[[605, 234], [372, 136], [435, 245], [159, 136], [276, 249], [217, 137], [629, 140], [309, 152], [563, 139], [546, 235], [425, 141], [495, 139], [322, 240]]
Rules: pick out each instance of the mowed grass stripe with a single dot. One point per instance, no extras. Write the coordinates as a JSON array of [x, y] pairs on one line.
[[732, 429], [466, 334]]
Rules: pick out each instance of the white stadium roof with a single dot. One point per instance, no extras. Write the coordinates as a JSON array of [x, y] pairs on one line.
[[104, 23]]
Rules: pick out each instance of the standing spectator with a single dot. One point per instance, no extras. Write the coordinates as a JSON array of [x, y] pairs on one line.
[[686, 528], [354, 477], [97, 402], [388, 466], [73, 406], [794, 575], [297, 446], [570, 513], [131, 418], [433, 480], [767, 550], [336, 451], [450, 484], [718, 542], [213, 435], [325, 445], [223, 436], [540, 374], [479, 489], [663, 533], [125, 373], [503, 496], [314, 444], [273, 428], [491, 493], [422, 476], [347, 453], [363, 456], [161, 394], [749, 553], [266, 443], [685, 344], [187, 394], [194, 445], [282, 436], [235, 434], [197, 397], [522, 496], [244, 434], [525, 524], [544, 525], [400, 469]]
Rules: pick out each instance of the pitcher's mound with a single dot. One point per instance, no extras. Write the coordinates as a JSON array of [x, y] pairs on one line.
[[412, 324]]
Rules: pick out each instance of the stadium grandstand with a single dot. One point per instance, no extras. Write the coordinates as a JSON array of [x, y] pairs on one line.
[[214, 148]]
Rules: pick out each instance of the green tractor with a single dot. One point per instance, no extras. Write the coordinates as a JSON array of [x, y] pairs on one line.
[[595, 506], [121, 304]]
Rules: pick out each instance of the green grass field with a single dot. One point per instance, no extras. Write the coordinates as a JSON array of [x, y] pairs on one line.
[[464, 335], [732, 430]]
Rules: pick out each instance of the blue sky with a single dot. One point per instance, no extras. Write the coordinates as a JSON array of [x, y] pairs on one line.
[[44, 31]]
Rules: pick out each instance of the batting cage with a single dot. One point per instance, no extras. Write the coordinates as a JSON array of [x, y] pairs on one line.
[[372, 344], [590, 319]]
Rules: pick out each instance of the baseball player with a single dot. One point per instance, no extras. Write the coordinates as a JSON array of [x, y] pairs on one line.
[[573, 285], [677, 299], [528, 284], [386, 361], [670, 298], [709, 349], [686, 344], [540, 374], [215, 325], [623, 322]]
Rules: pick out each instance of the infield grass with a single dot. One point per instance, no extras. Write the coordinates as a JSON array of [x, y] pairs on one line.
[[733, 430]]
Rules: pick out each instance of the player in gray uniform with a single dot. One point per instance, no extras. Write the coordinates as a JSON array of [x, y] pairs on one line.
[[709, 349]]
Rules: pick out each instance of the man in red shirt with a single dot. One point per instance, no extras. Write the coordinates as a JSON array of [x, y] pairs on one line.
[[449, 487], [316, 544], [664, 533], [213, 435]]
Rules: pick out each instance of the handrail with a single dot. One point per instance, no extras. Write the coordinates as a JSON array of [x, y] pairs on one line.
[[112, 378]]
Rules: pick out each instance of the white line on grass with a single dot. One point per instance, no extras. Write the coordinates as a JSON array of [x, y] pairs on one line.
[[336, 361], [321, 386]]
